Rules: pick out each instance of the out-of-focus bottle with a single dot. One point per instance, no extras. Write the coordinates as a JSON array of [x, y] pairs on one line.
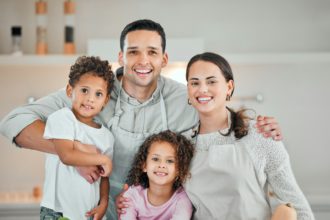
[[69, 10], [16, 35], [41, 15]]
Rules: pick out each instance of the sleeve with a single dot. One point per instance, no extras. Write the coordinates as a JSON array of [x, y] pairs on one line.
[[281, 178], [13, 123], [183, 210], [131, 213], [60, 125], [110, 142]]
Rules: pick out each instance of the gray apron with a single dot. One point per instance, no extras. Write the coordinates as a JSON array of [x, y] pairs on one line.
[[126, 145]]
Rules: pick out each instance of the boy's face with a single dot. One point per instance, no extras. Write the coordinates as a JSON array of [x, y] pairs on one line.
[[88, 97], [142, 58]]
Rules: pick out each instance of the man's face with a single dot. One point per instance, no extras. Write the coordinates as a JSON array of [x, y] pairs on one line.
[[142, 58]]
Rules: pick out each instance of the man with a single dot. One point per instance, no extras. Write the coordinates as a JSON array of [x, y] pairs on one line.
[[142, 103]]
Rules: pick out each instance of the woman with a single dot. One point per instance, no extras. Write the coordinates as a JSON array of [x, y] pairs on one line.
[[234, 165]]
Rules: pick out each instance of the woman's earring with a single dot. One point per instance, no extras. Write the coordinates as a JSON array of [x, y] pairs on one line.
[[189, 103], [228, 98]]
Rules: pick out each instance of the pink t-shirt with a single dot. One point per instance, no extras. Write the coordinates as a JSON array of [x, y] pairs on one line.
[[178, 207]]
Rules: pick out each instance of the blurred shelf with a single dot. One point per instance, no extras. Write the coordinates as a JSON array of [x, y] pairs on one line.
[[278, 58], [56, 59], [233, 58]]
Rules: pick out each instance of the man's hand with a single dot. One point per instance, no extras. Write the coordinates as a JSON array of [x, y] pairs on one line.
[[121, 201], [90, 173], [106, 168], [269, 127]]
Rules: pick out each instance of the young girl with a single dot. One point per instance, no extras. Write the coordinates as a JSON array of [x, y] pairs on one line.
[[158, 171], [66, 193], [234, 165]]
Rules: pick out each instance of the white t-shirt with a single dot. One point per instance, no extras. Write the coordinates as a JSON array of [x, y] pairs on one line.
[[64, 189]]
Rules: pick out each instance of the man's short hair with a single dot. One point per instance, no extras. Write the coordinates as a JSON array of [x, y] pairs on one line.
[[143, 24]]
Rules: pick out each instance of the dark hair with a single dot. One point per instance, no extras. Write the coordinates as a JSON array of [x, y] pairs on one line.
[[119, 71], [239, 119], [184, 150], [143, 24], [94, 66]]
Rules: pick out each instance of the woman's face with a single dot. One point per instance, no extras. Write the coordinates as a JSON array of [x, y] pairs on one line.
[[207, 87]]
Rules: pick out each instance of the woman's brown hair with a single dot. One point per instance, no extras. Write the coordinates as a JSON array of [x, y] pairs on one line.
[[239, 118]]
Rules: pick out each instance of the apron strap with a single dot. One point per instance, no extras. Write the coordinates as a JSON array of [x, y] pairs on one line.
[[163, 113], [114, 121]]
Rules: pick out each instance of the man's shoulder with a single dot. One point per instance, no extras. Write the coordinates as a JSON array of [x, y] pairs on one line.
[[172, 88]]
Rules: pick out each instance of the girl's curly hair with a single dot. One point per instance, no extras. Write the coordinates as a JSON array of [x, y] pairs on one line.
[[91, 65], [184, 150]]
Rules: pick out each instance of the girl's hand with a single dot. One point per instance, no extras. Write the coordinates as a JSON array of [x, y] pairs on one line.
[[121, 201], [269, 127], [98, 212]]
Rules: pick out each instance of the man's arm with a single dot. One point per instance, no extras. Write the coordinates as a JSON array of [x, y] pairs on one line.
[[31, 137], [25, 125]]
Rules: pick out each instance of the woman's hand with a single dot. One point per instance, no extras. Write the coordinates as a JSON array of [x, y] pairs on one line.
[[269, 127], [121, 201]]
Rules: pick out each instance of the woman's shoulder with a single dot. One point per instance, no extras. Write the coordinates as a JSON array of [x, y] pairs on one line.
[[263, 148], [135, 191]]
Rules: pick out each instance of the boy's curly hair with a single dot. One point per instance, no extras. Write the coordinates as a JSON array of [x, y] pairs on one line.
[[184, 150], [91, 65]]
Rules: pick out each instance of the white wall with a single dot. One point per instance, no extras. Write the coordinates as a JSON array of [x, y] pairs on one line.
[[226, 26]]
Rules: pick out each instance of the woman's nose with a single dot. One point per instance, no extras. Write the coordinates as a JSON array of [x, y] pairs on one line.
[[203, 88]]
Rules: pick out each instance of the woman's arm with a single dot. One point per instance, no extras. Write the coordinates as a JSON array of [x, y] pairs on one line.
[[282, 180]]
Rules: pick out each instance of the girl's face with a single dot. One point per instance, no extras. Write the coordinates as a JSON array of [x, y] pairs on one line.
[[161, 164], [88, 97], [207, 87]]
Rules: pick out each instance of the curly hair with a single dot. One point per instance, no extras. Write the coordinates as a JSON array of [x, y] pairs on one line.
[[91, 65], [184, 150]]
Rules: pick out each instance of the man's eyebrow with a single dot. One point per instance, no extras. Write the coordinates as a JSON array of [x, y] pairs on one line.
[[132, 48]]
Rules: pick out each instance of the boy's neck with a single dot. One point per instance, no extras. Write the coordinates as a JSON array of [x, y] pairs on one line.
[[158, 195], [88, 121]]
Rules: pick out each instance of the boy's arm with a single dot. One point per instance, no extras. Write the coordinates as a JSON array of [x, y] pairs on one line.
[[69, 155], [99, 211]]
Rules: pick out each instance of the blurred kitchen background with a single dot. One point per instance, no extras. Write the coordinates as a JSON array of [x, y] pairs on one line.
[[279, 51]]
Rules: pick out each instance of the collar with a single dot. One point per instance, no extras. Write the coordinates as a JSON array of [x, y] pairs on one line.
[[124, 96]]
